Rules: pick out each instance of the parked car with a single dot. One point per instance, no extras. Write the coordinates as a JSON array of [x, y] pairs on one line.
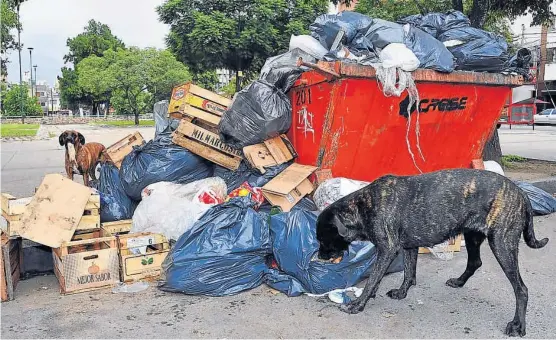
[[547, 116]]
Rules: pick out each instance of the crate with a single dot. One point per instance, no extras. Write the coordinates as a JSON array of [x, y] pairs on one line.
[[11, 258], [88, 262], [205, 142], [117, 151], [147, 264], [454, 245], [117, 227], [13, 208], [194, 101]]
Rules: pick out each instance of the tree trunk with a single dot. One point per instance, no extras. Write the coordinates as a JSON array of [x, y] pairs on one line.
[[457, 5], [479, 13], [492, 150], [238, 81], [136, 118]]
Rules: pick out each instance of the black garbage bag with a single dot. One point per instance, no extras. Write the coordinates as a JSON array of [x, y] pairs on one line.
[[259, 112], [431, 53], [282, 70], [326, 27], [543, 203], [477, 50], [243, 174], [159, 160], [295, 247], [520, 63], [437, 23], [224, 253], [115, 205], [377, 35]]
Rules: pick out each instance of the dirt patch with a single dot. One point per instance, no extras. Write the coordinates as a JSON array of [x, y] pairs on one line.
[[530, 170]]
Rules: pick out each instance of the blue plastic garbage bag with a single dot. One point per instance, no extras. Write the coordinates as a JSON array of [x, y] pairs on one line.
[[326, 27], [437, 23], [160, 160], [115, 205], [543, 203], [224, 253], [432, 54], [294, 246]]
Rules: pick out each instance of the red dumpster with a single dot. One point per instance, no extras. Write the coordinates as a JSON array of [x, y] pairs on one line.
[[342, 121]]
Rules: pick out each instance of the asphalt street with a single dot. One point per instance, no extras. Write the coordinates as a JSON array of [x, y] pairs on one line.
[[523, 141]]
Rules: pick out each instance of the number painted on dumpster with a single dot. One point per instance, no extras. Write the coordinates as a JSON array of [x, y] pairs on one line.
[[303, 97]]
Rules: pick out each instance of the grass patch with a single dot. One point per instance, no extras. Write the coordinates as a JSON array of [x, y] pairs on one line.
[[507, 160], [18, 130], [51, 134], [123, 123]]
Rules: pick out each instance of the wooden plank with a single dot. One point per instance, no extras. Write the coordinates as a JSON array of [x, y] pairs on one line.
[[140, 239], [206, 137], [7, 272], [55, 211], [454, 245], [117, 151], [6, 198], [201, 92], [137, 267], [205, 104], [200, 114], [93, 202], [206, 152], [117, 227], [88, 222]]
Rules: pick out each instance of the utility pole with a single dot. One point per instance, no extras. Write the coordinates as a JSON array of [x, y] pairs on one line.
[[52, 100], [522, 35], [542, 62], [35, 68], [20, 73], [31, 68]]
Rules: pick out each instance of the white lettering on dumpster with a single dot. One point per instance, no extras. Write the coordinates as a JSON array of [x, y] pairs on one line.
[[305, 122]]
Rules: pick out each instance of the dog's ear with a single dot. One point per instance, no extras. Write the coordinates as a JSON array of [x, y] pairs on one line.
[[81, 138], [346, 233], [62, 138]]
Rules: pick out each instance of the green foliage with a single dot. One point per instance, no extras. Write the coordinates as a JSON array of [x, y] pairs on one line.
[[132, 79], [96, 39], [207, 80], [11, 105], [8, 24], [507, 160], [70, 92], [393, 10], [234, 34]]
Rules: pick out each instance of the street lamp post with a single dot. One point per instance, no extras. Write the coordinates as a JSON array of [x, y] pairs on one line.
[[31, 68], [20, 73]]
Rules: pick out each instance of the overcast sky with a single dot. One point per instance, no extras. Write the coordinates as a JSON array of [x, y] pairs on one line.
[[47, 24]]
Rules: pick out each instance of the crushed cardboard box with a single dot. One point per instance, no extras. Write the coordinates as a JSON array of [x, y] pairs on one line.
[[274, 151], [290, 186]]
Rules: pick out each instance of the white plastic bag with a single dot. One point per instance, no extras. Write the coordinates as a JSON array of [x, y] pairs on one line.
[[494, 167], [308, 44], [171, 208], [333, 189], [399, 56]]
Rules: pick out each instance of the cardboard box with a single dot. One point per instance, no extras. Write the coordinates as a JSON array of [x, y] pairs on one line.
[[271, 152], [117, 151], [10, 262], [290, 186], [146, 263], [194, 101], [206, 143], [89, 262]]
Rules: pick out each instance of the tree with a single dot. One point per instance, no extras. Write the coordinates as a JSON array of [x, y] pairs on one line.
[[13, 99], [95, 39], [8, 23], [134, 79], [236, 35]]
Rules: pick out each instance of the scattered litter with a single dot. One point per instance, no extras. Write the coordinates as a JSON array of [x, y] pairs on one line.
[[135, 287], [542, 202], [494, 167], [387, 314], [340, 296], [333, 189]]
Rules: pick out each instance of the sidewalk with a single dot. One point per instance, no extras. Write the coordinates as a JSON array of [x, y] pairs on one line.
[[525, 142]]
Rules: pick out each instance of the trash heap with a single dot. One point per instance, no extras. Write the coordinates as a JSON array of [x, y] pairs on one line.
[[216, 203]]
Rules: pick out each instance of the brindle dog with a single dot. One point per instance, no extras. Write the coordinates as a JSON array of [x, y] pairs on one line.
[[405, 213], [81, 158]]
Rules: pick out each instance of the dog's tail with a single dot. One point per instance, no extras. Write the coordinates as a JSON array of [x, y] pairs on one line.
[[529, 232]]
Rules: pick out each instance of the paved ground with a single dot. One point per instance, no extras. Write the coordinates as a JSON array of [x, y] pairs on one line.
[[524, 141], [431, 310], [24, 164]]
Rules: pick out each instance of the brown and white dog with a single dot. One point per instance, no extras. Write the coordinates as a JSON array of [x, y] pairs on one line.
[[81, 158]]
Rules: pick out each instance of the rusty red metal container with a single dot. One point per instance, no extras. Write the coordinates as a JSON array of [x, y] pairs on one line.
[[342, 121]]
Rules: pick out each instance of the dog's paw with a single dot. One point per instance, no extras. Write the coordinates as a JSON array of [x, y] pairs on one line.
[[515, 328], [397, 294], [353, 307], [455, 283]]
